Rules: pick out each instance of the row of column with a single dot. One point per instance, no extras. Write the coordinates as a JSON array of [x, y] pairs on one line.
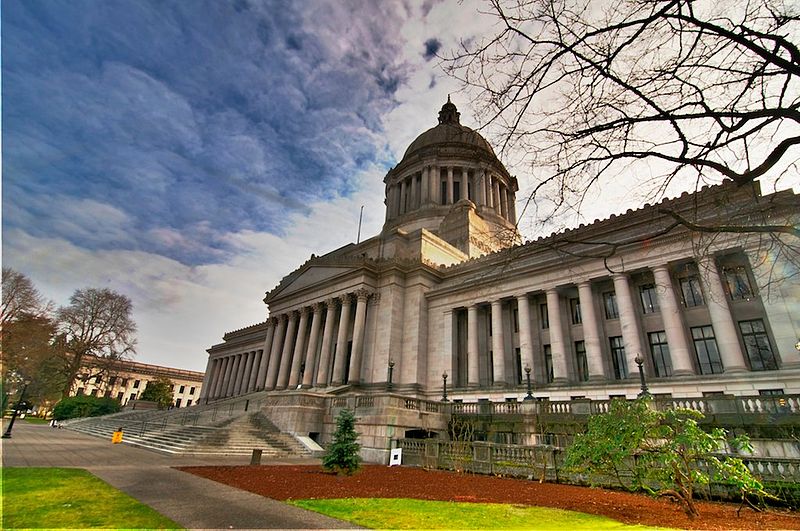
[[722, 321], [297, 351], [416, 190]]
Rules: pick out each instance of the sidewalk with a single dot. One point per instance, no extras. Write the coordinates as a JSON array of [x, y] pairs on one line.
[[191, 501]]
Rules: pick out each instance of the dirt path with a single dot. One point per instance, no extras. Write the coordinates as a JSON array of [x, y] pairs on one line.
[[374, 481]]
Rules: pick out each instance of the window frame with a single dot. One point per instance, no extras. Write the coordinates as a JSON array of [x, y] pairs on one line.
[[715, 366], [610, 303], [659, 353]]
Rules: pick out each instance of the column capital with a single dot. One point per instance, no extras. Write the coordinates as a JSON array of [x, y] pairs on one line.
[[660, 267], [282, 318], [521, 295], [362, 294], [332, 302], [272, 320], [305, 310], [316, 307], [586, 282], [345, 299]]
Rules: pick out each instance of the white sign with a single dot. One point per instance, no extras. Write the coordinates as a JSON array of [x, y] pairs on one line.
[[396, 456]]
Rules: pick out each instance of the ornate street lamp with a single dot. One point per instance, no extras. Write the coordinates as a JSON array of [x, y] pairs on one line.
[[444, 388], [7, 434], [391, 369], [529, 396], [639, 361]]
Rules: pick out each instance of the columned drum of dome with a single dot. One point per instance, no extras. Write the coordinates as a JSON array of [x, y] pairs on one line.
[[451, 168]]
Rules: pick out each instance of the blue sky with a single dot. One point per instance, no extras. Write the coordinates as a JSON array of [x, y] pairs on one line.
[[189, 154]]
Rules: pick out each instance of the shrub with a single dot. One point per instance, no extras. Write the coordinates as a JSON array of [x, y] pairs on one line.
[[84, 406], [342, 456]]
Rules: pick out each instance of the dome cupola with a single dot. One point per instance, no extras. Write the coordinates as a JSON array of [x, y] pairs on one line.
[[446, 165]]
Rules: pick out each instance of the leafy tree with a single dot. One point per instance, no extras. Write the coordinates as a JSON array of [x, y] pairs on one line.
[[98, 330], [84, 406], [158, 391], [342, 456], [665, 453], [681, 91]]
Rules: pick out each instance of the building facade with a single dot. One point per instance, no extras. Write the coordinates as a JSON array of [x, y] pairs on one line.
[[449, 295], [125, 380]]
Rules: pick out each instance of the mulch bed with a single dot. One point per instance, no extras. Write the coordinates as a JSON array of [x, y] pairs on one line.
[[285, 482]]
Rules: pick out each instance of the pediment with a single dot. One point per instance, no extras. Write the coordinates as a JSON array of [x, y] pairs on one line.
[[307, 277]]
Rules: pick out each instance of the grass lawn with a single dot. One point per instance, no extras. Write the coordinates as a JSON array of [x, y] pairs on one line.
[[380, 513], [71, 498]]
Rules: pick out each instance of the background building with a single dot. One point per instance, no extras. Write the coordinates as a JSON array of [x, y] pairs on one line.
[[125, 380]]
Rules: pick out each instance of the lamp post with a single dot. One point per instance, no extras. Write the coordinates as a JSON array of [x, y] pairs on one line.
[[7, 434], [639, 361], [444, 388], [529, 396], [391, 370]]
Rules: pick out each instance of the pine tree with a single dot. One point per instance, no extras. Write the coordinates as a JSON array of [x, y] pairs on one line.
[[342, 456]]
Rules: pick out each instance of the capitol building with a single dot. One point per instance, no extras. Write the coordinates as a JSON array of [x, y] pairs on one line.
[[449, 302]]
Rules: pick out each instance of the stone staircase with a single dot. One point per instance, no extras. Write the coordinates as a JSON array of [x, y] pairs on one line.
[[218, 429]]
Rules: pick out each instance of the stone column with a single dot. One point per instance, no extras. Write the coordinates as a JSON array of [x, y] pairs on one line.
[[340, 358], [241, 377], [489, 190], [327, 339], [235, 375], [222, 384], [275, 352], [447, 348], [435, 187], [218, 378], [403, 193], [525, 338], [413, 202], [591, 332], [730, 349], [557, 347], [358, 337], [473, 370], [286, 353], [425, 181], [628, 323], [261, 377], [450, 199], [480, 187], [504, 202], [248, 379], [678, 343], [496, 197], [498, 344], [512, 207], [207, 377], [313, 342], [299, 349]]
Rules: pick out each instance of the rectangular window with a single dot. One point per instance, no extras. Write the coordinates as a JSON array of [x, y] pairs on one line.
[[738, 283], [756, 343], [518, 361], [182, 389], [136, 384], [177, 402], [124, 382], [444, 193], [691, 292], [456, 191], [618, 358], [191, 391], [133, 396], [770, 392], [659, 349], [705, 346], [548, 363], [544, 317], [580, 361], [188, 403], [98, 379], [515, 320], [647, 293], [575, 311], [112, 380], [120, 395], [610, 303], [93, 392]]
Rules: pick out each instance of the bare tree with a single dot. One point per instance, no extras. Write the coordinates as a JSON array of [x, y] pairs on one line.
[[20, 297], [701, 92], [98, 330]]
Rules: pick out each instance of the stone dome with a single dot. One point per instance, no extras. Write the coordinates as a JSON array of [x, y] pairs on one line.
[[449, 131]]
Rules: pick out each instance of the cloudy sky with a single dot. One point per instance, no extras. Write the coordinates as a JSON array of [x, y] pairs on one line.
[[189, 154]]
